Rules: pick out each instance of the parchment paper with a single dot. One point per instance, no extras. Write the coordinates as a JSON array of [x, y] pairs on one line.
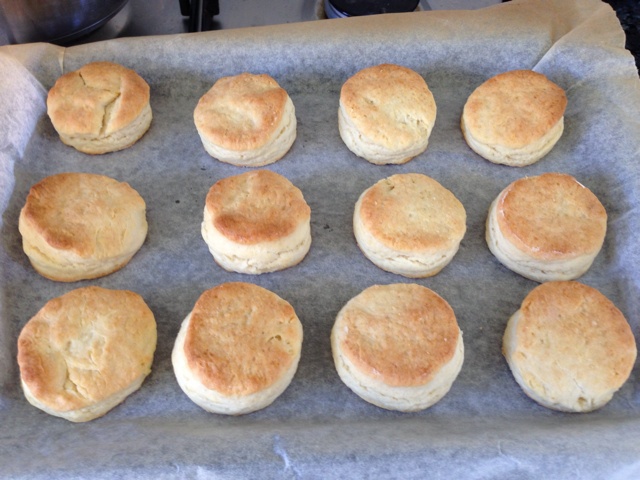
[[485, 427]]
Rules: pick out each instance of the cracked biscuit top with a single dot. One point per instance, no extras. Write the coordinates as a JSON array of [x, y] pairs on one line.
[[98, 100], [86, 346]]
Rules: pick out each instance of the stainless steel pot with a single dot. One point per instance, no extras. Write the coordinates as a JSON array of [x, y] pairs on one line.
[[55, 21]]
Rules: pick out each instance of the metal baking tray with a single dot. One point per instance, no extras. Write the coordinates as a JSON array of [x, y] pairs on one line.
[[485, 427]]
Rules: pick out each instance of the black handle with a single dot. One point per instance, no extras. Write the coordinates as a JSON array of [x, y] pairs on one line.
[[185, 8], [200, 13]]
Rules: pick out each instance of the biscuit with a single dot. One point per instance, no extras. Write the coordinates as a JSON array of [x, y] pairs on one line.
[[514, 118], [398, 346], [409, 224], [256, 222], [246, 120], [547, 227], [83, 353], [100, 108], [78, 226], [386, 114], [569, 347], [238, 349]]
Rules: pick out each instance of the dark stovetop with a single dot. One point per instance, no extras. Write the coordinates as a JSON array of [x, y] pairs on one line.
[[159, 17]]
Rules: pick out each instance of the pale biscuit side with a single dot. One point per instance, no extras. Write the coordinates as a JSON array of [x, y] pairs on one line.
[[118, 140], [403, 399], [257, 258], [515, 157], [522, 263], [88, 413]]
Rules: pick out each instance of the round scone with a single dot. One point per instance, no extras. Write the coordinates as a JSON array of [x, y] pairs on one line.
[[246, 120], [514, 118], [238, 349], [547, 227], [83, 353], [409, 224], [256, 222], [78, 226], [398, 346], [386, 114], [100, 108], [569, 347]]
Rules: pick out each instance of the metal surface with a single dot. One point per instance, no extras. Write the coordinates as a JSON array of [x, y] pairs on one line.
[[56, 21], [164, 17]]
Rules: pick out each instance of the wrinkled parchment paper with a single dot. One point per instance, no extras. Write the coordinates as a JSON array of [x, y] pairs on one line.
[[485, 427]]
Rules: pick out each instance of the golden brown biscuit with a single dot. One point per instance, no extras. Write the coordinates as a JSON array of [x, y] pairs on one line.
[[398, 346], [514, 118], [246, 120], [78, 226], [83, 353], [547, 227], [569, 347], [238, 349], [386, 114], [409, 224], [256, 222], [100, 108]]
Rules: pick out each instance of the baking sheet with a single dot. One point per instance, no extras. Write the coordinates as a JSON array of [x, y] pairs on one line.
[[485, 427]]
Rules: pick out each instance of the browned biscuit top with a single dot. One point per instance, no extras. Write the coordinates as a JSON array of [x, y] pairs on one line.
[[91, 215], [256, 206], [241, 112], [413, 212], [389, 104], [98, 99], [241, 338], [401, 334], [514, 109], [551, 216], [85, 346], [568, 329]]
